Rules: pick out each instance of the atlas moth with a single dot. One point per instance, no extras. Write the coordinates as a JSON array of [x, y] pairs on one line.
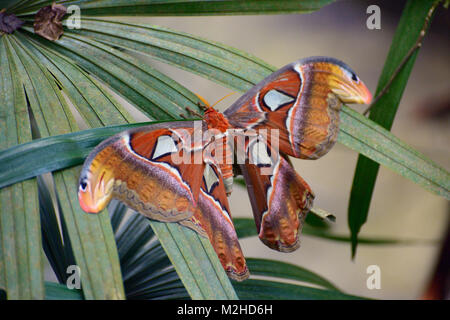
[[300, 102]]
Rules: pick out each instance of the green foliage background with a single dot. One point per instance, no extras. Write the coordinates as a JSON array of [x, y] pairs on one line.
[[134, 257]]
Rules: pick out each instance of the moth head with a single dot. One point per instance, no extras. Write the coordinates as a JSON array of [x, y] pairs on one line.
[[341, 80], [95, 185]]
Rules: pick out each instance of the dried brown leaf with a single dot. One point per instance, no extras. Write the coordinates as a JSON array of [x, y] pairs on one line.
[[9, 22], [47, 22]]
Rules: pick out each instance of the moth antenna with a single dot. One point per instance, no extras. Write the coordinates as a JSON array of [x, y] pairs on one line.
[[205, 104], [230, 94]]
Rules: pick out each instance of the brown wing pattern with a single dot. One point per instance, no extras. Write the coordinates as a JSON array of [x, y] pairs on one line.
[[138, 168], [298, 101], [213, 219], [280, 199], [296, 110], [160, 171]]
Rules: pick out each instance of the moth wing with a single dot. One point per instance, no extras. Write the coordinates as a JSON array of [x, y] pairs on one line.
[[297, 104], [154, 170], [212, 218], [280, 198]]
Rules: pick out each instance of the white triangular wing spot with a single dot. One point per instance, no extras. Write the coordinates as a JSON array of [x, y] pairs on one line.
[[210, 177], [164, 145], [275, 99], [259, 154]]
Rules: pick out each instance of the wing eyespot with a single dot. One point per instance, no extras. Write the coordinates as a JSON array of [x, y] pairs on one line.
[[83, 185]]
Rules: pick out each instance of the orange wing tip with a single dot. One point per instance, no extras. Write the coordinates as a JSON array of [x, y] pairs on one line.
[[366, 94], [86, 207]]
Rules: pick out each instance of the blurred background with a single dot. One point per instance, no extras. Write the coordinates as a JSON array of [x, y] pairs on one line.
[[400, 209]]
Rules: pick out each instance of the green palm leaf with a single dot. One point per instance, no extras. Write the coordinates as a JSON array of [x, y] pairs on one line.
[[271, 268], [266, 290], [245, 227], [181, 8], [383, 112], [21, 271]]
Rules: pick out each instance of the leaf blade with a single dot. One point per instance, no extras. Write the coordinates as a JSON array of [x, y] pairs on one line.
[[285, 270], [253, 289], [383, 112], [21, 260], [53, 117], [189, 8], [245, 227]]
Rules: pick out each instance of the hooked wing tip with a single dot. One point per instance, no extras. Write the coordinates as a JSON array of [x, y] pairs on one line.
[[85, 206], [238, 276], [366, 95], [282, 247]]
